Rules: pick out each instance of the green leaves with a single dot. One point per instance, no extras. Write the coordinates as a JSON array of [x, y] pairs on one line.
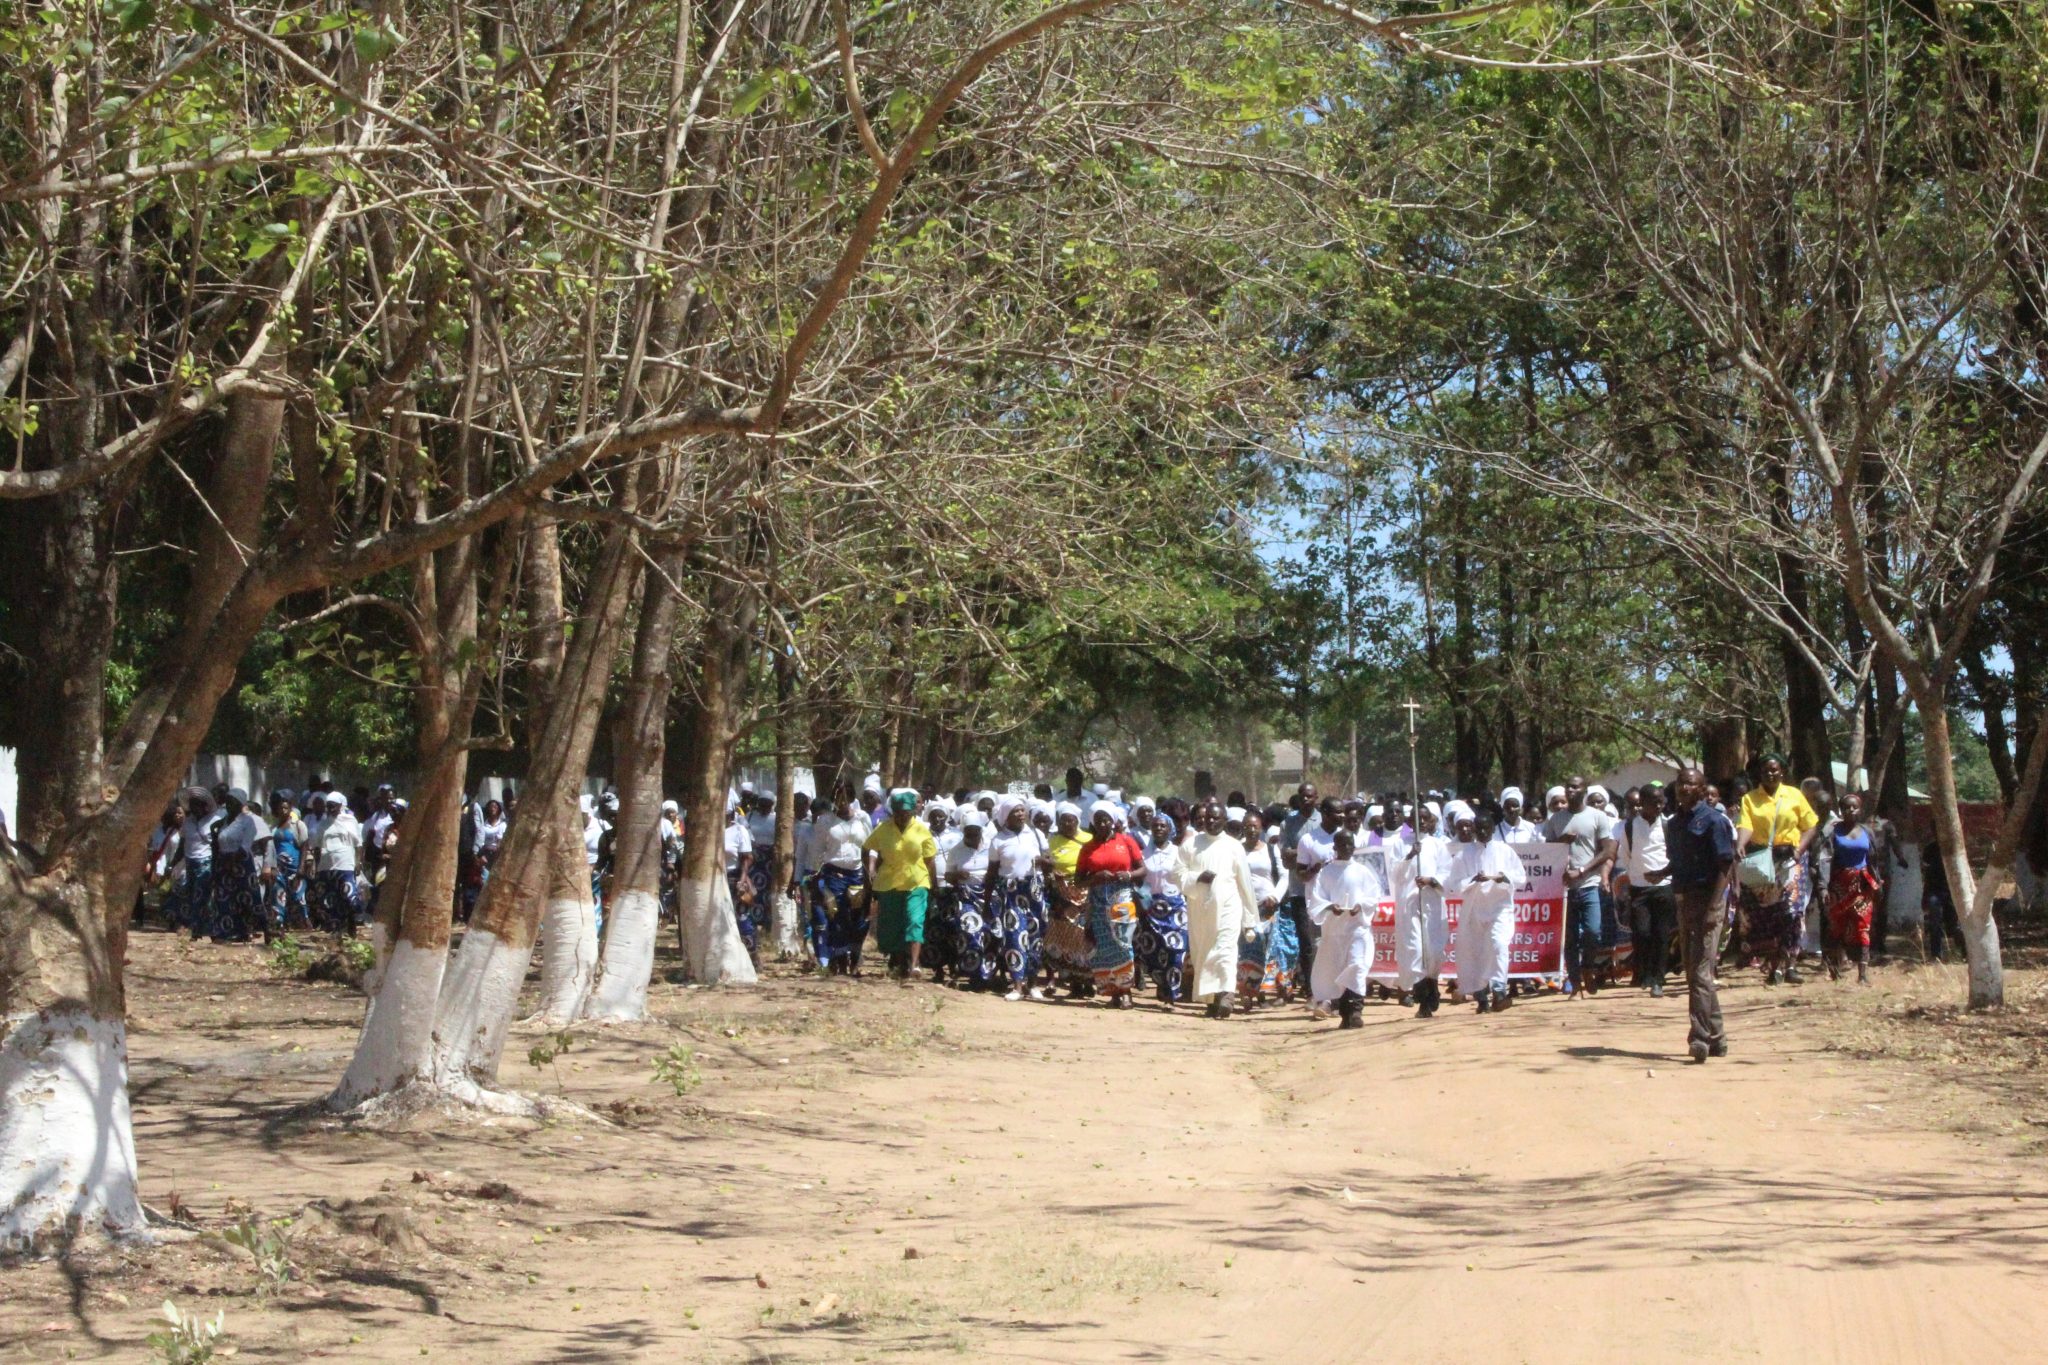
[[375, 42]]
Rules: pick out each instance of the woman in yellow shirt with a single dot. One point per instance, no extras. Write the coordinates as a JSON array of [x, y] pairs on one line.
[[1069, 956], [1777, 813], [901, 866]]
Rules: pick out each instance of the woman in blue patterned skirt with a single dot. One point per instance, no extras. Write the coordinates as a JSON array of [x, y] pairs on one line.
[[977, 942], [237, 902], [1018, 862], [1161, 940], [839, 911]]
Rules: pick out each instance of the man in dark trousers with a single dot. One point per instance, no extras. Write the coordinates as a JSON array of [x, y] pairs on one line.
[[1701, 847]]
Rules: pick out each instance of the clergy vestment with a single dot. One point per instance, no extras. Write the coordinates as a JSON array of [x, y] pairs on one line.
[[1420, 927], [1486, 920], [1218, 909], [1341, 899]]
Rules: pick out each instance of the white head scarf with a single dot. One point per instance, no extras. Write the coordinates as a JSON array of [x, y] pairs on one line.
[[1597, 794], [1105, 807], [1554, 794], [1066, 808], [1004, 805], [1513, 794], [671, 808], [1234, 814], [1457, 811]]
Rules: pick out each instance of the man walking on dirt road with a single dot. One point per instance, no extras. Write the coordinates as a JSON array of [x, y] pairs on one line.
[[1702, 850]]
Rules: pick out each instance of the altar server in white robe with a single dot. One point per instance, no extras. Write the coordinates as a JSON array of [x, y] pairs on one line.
[[1221, 902], [1420, 927], [1484, 871], [1342, 897]]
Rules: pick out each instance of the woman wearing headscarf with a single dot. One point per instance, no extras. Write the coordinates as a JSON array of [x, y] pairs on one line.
[[1267, 953], [671, 831], [901, 864], [485, 844], [1068, 952], [977, 944], [839, 909], [194, 846], [1018, 859], [1160, 940], [1776, 814], [284, 861], [739, 879], [1484, 871], [1111, 865], [237, 901], [340, 843], [1221, 901], [1513, 828]]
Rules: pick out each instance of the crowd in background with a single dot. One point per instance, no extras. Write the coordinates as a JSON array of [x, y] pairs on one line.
[[1036, 893]]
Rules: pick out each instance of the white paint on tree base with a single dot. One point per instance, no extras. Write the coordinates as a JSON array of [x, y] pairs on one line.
[[789, 929], [628, 963], [373, 980], [711, 935], [396, 1046], [568, 956], [67, 1148], [477, 1001]]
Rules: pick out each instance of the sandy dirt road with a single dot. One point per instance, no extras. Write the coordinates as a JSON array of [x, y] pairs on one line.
[[866, 1172]]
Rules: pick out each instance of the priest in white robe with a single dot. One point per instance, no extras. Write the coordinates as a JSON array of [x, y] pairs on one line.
[[1342, 897], [1485, 871], [1217, 879], [1421, 928]]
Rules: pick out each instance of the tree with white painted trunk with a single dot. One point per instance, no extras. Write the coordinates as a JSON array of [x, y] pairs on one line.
[[633, 917]]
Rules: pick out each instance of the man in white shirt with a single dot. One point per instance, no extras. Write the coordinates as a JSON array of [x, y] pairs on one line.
[[1589, 832], [1653, 902]]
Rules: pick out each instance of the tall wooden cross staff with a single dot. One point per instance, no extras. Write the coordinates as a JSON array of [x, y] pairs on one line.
[[1411, 706]]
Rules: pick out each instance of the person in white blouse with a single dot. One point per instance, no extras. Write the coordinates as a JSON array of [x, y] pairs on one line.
[[1019, 857], [839, 912], [977, 941], [1421, 928]]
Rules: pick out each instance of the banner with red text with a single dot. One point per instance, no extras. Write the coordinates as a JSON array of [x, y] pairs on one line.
[[1538, 951]]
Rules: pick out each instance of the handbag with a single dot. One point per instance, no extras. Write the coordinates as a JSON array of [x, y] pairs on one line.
[[1758, 871]]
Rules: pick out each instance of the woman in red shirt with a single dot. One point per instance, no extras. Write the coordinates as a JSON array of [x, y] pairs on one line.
[[1111, 866]]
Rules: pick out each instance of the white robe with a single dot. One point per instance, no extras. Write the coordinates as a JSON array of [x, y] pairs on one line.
[[1341, 899], [1486, 921], [1218, 910], [1420, 925]]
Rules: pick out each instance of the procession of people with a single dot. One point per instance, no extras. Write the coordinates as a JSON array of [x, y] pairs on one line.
[[1082, 895]]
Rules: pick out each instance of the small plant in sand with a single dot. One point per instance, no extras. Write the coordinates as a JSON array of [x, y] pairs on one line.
[[677, 1069], [358, 954], [189, 1340], [287, 955], [544, 1052], [267, 1246]]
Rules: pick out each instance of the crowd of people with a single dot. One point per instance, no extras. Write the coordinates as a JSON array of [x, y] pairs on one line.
[[1215, 902]]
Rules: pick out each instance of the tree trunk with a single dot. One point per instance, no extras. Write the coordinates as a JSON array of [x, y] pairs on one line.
[[483, 983], [67, 1146], [789, 938], [634, 914], [568, 927], [1980, 929], [713, 951]]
